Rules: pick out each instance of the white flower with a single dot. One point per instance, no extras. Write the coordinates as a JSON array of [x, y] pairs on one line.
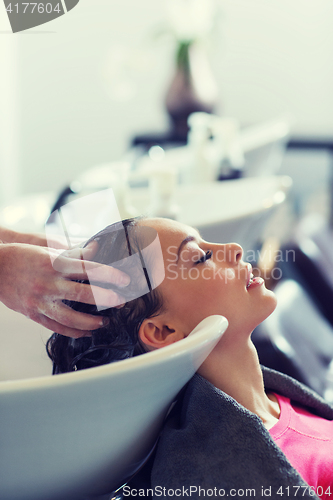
[[191, 19]]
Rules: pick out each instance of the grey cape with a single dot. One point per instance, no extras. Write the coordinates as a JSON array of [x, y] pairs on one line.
[[209, 441]]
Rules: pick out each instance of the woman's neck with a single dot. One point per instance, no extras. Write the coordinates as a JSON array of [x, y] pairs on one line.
[[235, 369]]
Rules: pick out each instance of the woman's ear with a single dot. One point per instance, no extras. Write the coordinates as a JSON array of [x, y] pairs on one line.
[[154, 333]]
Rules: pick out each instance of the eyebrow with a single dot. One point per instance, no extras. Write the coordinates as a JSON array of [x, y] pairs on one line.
[[183, 243]]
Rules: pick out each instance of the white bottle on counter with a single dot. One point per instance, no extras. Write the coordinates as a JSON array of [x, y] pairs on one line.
[[162, 177], [202, 169]]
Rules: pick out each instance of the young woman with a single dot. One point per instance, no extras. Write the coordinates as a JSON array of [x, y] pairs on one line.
[[235, 428]]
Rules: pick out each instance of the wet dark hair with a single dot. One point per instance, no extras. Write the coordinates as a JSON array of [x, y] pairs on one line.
[[119, 339]]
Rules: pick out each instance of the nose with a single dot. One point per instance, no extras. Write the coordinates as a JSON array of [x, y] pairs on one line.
[[234, 253]]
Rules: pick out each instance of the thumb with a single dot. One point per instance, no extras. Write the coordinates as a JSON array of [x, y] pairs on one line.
[[89, 251]]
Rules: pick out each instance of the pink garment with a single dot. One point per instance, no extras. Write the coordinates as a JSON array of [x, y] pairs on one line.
[[307, 442]]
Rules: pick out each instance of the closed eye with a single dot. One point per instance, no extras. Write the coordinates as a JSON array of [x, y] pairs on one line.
[[208, 255]]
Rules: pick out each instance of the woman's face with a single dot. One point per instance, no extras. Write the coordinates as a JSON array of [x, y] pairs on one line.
[[204, 278]]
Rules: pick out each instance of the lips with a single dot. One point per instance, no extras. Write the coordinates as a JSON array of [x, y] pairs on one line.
[[253, 281], [250, 275], [250, 281]]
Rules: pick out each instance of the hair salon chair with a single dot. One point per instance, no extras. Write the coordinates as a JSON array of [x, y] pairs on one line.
[[297, 339], [314, 261], [81, 435]]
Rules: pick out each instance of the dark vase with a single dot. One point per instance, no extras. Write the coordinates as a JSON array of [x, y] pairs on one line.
[[193, 88]]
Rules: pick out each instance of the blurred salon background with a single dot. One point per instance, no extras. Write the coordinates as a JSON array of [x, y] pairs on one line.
[[76, 91], [104, 97]]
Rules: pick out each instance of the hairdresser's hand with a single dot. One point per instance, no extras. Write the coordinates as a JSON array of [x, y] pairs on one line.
[[31, 285], [39, 239]]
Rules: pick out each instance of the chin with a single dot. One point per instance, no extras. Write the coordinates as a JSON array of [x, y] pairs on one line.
[[265, 309], [269, 306]]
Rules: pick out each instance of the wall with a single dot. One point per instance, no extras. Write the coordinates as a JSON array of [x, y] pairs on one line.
[[277, 57], [9, 124], [68, 109]]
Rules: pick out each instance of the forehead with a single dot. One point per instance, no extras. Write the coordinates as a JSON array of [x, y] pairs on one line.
[[170, 232]]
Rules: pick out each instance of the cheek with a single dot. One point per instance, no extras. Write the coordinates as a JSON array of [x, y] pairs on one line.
[[229, 275], [191, 300], [185, 303], [197, 299]]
